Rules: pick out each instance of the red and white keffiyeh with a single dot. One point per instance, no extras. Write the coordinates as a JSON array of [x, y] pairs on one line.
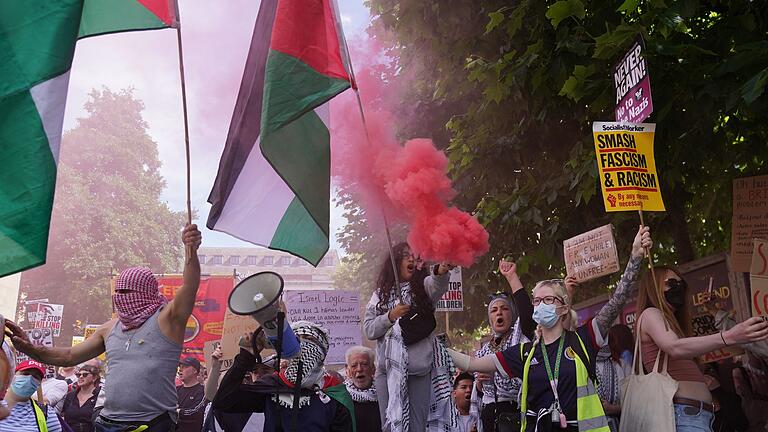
[[136, 297]]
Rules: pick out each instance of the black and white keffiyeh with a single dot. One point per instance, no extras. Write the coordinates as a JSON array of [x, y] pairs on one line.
[[361, 395], [313, 341]]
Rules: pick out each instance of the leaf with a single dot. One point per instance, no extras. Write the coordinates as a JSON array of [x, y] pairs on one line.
[[496, 18], [564, 9], [628, 6], [574, 86], [611, 43], [755, 87]]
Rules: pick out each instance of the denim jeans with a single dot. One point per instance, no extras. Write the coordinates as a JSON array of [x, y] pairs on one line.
[[692, 419], [161, 424]]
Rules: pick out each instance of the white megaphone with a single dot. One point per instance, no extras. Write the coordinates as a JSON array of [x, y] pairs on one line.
[[258, 295]]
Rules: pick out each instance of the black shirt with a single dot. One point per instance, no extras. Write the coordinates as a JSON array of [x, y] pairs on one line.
[[191, 408], [367, 416], [79, 418]]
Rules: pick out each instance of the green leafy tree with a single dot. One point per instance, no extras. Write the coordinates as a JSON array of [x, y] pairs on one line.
[[107, 212], [510, 90]]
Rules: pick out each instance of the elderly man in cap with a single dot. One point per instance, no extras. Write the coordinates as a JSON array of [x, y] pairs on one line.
[[143, 346], [191, 396], [324, 405], [360, 370], [26, 414]]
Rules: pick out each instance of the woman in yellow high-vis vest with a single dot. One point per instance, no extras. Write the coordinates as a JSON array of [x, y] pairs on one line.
[[558, 369]]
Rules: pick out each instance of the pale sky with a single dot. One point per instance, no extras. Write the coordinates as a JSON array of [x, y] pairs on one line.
[[215, 43]]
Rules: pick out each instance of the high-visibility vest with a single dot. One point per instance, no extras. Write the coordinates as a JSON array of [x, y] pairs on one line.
[[589, 408], [42, 422]]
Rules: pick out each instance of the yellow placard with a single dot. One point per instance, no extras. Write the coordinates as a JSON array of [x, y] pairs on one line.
[[627, 167]]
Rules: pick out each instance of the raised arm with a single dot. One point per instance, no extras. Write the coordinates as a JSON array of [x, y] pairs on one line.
[[437, 285], [652, 324], [627, 284], [487, 364], [88, 349], [520, 298], [179, 309], [212, 384]]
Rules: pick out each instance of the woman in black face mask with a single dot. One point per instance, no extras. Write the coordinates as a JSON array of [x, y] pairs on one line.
[[693, 401]]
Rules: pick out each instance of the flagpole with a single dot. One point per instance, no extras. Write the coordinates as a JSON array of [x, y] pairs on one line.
[[186, 129], [392, 260]]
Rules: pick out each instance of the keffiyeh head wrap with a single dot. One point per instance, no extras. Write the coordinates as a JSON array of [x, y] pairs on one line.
[[136, 297], [314, 347]]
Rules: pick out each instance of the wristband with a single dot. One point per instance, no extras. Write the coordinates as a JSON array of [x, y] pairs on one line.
[[721, 337]]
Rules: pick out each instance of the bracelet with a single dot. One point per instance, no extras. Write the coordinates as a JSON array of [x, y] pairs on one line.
[[721, 337]]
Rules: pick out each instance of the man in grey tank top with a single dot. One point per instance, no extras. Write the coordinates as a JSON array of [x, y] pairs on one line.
[[143, 346]]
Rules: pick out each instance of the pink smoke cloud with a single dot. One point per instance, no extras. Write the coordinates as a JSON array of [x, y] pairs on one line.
[[408, 182]]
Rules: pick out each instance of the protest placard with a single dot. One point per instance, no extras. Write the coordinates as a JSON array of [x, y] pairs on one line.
[[627, 166], [453, 299], [750, 218], [47, 315], [39, 337], [633, 85], [208, 348], [758, 278], [77, 340], [591, 254], [709, 290], [235, 326], [336, 311]]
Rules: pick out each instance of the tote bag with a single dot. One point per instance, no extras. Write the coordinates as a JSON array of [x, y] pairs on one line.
[[646, 400]]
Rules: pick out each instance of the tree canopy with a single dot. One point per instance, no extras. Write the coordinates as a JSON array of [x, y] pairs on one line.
[[107, 214], [510, 90]]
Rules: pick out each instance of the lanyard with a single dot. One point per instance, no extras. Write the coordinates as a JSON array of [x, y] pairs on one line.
[[553, 378]]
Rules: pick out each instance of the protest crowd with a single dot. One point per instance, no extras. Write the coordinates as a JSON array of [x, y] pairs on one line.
[[542, 371]]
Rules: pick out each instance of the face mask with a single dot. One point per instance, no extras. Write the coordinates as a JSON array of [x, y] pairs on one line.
[[24, 385], [546, 315], [675, 296]]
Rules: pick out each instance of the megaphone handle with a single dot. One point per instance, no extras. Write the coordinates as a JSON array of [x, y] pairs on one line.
[[296, 398], [279, 349]]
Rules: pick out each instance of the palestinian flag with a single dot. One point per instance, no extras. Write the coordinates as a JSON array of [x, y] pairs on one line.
[[37, 44], [273, 184]]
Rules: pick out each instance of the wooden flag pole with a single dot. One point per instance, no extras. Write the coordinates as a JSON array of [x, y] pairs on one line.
[[186, 131], [659, 294]]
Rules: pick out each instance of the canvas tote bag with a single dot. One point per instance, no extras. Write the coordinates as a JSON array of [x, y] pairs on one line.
[[646, 399]]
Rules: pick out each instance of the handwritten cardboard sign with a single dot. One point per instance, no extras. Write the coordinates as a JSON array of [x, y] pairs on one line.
[[235, 326], [758, 278], [338, 312], [453, 299], [592, 254], [627, 166], [750, 219]]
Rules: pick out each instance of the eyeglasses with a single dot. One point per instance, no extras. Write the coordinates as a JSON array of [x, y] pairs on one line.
[[82, 374], [547, 300]]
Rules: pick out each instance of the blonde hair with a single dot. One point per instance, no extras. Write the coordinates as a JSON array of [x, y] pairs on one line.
[[558, 287]]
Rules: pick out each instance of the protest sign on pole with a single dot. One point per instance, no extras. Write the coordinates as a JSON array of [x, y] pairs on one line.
[[338, 312], [750, 219], [758, 278], [633, 85], [453, 299], [39, 337], [77, 340], [591, 254], [627, 166]]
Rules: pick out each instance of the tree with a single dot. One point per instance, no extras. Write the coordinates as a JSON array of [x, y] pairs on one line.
[[510, 90], [107, 212]]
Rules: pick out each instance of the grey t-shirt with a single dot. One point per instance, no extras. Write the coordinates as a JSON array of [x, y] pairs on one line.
[[142, 366]]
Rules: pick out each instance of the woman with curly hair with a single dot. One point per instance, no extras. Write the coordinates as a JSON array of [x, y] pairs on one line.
[[403, 328]]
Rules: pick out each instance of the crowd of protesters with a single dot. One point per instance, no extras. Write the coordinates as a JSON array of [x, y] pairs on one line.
[[538, 370]]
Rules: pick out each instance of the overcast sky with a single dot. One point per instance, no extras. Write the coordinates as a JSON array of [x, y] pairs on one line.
[[215, 47]]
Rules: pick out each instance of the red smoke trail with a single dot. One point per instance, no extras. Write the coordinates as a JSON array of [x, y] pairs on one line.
[[410, 182]]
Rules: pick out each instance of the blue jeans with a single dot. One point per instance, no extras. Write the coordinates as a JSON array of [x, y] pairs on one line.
[[692, 419]]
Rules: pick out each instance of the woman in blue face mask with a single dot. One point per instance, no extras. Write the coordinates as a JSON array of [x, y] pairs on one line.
[[558, 368], [26, 414]]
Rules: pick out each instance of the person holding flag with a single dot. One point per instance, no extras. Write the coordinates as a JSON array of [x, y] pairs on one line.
[[147, 335]]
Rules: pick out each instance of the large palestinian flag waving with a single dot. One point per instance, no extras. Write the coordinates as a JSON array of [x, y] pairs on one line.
[[37, 44], [273, 184]]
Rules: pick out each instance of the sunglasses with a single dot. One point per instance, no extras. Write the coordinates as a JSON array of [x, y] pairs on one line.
[[547, 300], [82, 374], [676, 283]]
